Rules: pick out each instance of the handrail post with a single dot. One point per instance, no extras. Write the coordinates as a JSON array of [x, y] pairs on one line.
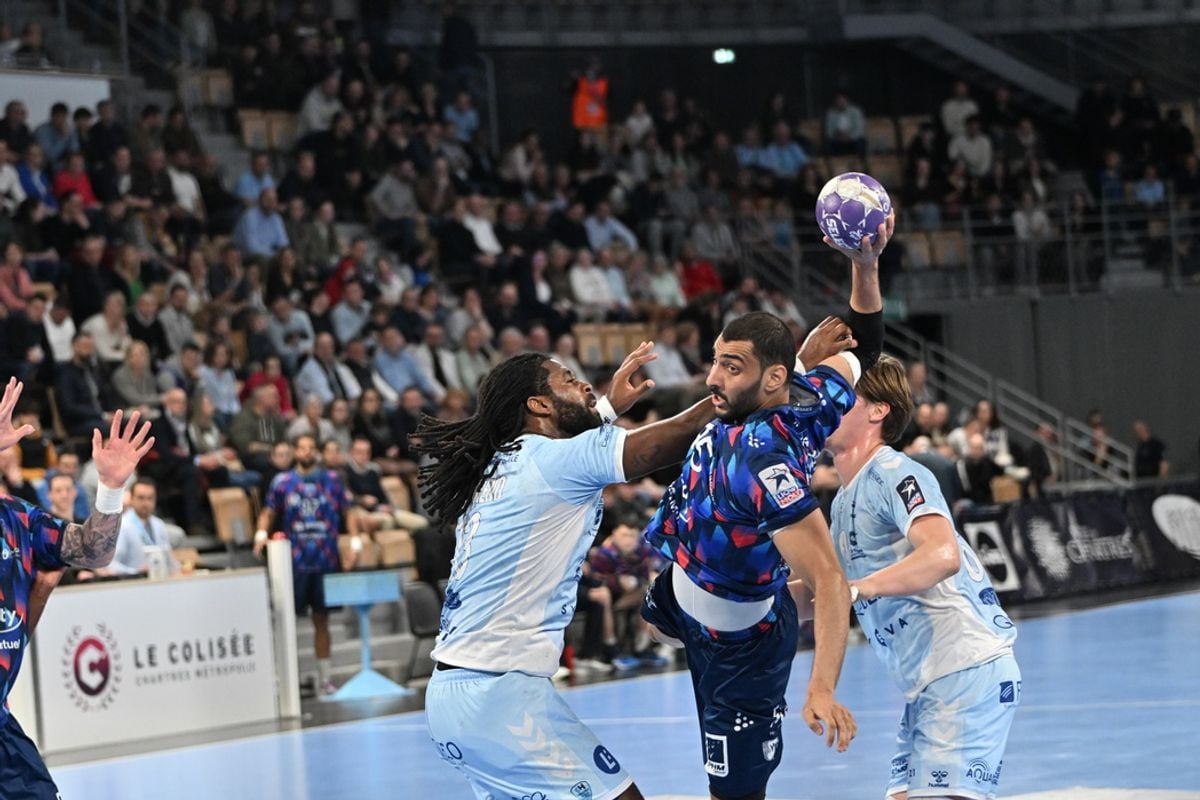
[[62, 23], [123, 33], [1173, 235], [1072, 289]]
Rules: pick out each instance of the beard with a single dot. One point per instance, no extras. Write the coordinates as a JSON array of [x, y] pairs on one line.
[[738, 405], [306, 463], [574, 418]]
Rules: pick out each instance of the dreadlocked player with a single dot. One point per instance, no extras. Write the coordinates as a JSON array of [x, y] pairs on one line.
[[524, 477]]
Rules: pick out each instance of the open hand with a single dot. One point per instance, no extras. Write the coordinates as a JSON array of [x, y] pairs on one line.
[[831, 337], [117, 458], [8, 435], [623, 394], [825, 716], [867, 255]]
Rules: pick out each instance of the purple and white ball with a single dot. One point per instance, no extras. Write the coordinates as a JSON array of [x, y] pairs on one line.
[[850, 205]]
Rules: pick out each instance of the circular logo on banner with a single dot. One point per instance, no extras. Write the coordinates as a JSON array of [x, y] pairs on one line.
[[1178, 517], [91, 667]]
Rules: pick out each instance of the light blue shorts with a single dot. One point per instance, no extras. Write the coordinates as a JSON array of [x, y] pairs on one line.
[[513, 737], [952, 737]]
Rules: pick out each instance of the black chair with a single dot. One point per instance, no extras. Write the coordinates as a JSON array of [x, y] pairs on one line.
[[424, 618]]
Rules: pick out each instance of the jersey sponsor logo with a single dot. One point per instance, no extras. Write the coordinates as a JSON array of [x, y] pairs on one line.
[[939, 779], [1002, 621], [891, 629], [781, 485], [716, 755], [606, 762], [6, 552], [1009, 691], [899, 766], [770, 748], [910, 492], [10, 620], [980, 771], [582, 790], [988, 597]]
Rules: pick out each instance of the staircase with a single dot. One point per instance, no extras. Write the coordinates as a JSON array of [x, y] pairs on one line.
[[957, 380]]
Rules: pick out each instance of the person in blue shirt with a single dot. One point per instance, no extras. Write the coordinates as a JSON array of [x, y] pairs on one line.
[[35, 547], [56, 136], [924, 601], [741, 518], [259, 231]]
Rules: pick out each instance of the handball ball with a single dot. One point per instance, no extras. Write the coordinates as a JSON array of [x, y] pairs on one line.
[[849, 206]]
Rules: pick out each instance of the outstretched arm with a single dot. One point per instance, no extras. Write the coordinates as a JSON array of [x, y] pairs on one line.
[[865, 315], [808, 549], [664, 443], [94, 543]]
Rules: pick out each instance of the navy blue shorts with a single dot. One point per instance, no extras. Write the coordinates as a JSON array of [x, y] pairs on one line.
[[23, 774], [739, 684], [309, 589]]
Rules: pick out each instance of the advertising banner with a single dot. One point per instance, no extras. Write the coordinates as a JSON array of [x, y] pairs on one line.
[[141, 659]]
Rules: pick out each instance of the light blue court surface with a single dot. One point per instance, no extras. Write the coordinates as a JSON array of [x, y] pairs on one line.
[[1111, 698]]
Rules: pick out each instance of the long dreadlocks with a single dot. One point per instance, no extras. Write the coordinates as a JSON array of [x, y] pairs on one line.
[[463, 452]]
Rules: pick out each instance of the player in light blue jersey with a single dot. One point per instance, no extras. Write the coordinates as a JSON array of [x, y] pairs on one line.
[[523, 477], [924, 602]]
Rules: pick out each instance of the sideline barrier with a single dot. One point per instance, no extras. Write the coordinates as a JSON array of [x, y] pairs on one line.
[[1087, 542]]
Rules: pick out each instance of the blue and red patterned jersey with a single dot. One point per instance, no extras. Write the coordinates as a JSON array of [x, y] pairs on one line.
[[743, 482], [310, 510], [609, 564], [30, 540]]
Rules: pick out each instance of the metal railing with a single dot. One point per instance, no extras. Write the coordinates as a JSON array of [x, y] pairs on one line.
[[957, 379]]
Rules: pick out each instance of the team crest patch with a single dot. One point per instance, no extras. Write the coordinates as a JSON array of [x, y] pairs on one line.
[[910, 492], [781, 485]]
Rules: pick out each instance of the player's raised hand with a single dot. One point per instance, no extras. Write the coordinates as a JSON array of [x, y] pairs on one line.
[[867, 255], [825, 716], [8, 435], [623, 393], [831, 337], [117, 458]]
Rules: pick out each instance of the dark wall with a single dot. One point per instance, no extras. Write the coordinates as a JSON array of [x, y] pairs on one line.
[[1135, 355], [880, 78]]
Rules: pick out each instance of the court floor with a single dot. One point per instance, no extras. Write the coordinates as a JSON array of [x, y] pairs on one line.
[[1111, 700]]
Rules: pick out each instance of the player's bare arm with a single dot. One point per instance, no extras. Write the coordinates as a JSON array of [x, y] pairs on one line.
[[94, 543], [665, 443], [934, 558], [265, 518], [43, 585], [808, 549], [828, 339], [866, 303]]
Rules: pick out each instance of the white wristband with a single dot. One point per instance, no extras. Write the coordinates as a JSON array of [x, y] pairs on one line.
[[799, 366], [260, 536], [606, 410], [109, 501], [853, 595]]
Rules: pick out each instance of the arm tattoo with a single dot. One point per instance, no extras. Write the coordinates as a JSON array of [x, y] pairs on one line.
[[94, 543]]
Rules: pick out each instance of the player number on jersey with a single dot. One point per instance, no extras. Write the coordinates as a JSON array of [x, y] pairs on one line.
[[463, 558]]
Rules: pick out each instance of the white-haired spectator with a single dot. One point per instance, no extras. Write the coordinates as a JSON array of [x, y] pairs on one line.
[[325, 376]]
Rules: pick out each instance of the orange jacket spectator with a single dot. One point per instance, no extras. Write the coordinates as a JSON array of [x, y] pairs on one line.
[[589, 108]]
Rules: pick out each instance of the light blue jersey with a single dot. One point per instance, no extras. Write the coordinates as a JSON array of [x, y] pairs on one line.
[[954, 625], [519, 552]]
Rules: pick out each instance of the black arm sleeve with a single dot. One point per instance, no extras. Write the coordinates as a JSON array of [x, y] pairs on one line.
[[868, 330]]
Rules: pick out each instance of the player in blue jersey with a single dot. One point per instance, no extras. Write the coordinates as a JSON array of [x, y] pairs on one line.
[[524, 478], [311, 504], [740, 519], [924, 601], [35, 546]]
